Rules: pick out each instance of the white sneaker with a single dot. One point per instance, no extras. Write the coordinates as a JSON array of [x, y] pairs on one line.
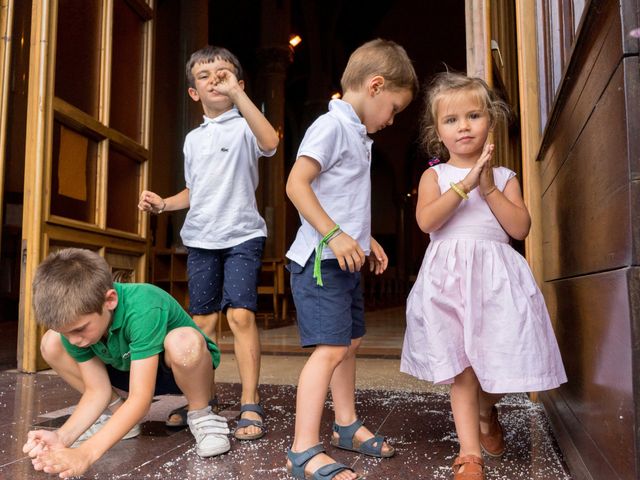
[[97, 425], [210, 432]]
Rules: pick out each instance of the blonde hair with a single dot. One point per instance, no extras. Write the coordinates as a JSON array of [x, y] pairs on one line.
[[452, 83], [384, 58], [70, 283]]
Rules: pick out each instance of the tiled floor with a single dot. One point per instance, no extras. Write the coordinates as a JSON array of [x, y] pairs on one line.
[[385, 331], [415, 416]]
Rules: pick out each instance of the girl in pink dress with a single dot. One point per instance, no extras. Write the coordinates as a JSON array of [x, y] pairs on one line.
[[475, 316]]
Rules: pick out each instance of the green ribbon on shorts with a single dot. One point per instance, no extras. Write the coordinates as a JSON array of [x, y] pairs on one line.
[[317, 273]]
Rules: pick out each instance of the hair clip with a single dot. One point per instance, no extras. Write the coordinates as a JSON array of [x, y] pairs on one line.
[[433, 161]]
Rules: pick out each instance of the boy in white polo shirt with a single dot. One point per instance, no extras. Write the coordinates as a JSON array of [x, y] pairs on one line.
[[223, 230], [330, 186]]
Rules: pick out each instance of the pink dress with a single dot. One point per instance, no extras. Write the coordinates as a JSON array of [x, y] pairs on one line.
[[475, 303]]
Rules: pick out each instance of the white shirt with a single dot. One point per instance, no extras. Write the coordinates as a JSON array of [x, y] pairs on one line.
[[338, 141], [221, 173]]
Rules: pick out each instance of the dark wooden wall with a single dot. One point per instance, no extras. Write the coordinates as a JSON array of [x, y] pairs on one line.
[[590, 171]]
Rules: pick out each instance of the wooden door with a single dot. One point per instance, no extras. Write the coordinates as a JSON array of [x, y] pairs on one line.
[[501, 48], [88, 131]]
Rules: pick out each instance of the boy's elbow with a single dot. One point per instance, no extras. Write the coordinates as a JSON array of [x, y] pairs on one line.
[[273, 142], [290, 188], [269, 140]]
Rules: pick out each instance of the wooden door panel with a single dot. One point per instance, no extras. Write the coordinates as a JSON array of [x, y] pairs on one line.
[[590, 311], [78, 46], [587, 222], [598, 56]]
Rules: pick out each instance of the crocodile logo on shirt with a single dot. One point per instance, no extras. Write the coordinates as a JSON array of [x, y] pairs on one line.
[[224, 149]]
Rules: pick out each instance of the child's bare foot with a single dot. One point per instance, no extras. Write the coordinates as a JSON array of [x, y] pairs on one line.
[[362, 435], [316, 463]]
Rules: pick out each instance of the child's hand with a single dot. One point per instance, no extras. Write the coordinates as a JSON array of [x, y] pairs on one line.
[[472, 179], [378, 260], [487, 182], [66, 462], [348, 252], [151, 202], [225, 82], [39, 441]]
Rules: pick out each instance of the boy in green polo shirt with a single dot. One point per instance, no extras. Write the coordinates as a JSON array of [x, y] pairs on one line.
[[135, 337]]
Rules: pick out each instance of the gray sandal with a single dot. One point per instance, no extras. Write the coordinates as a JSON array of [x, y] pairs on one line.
[[300, 459], [245, 422], [371, 447]]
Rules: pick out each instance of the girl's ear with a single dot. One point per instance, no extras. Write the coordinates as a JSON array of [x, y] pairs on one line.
[[241, 83]]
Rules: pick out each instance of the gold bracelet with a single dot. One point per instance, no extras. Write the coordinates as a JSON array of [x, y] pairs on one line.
[[164, 205], [459, 191]]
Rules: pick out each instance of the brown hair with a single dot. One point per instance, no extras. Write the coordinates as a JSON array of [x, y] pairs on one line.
[[447, 83], [70, 283], [384, 58], [210, 54]]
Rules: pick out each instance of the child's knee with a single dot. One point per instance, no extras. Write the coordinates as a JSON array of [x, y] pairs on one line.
[[240, 318], [51, 346], [355, 344], [185, 345], [467, 377], [333, 354]]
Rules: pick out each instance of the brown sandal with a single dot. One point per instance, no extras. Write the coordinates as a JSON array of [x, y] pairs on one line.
[[473, 468], [492, 443]]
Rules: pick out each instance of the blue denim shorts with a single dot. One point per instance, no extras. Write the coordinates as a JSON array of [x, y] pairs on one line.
[[219, 279], [332, 314]]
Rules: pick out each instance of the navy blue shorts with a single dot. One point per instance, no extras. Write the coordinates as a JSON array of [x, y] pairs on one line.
[[332, 314], [165, 382], [219, 279]]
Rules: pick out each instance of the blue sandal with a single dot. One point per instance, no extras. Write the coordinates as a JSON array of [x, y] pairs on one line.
[[371, 447], [245, 422], [300, 459]]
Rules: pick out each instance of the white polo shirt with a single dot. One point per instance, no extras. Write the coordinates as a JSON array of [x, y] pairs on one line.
[[221, 173], [338, 141]]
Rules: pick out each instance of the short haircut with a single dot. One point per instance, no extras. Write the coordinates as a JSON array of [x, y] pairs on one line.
[[70, 283], [210, 54], [451, 83], [384, 58]]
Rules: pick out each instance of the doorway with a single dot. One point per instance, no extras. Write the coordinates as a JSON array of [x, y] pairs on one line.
[[16, 26], [432, 32]]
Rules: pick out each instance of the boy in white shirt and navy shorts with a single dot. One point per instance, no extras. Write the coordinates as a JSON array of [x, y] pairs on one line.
[[223, 230], [330, 186]]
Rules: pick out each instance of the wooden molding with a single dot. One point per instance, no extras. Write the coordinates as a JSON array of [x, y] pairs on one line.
[[529, 130], [6, 19], [38, 114], [478, 39]]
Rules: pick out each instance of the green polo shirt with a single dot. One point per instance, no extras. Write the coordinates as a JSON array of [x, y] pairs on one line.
[[141, 321]]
